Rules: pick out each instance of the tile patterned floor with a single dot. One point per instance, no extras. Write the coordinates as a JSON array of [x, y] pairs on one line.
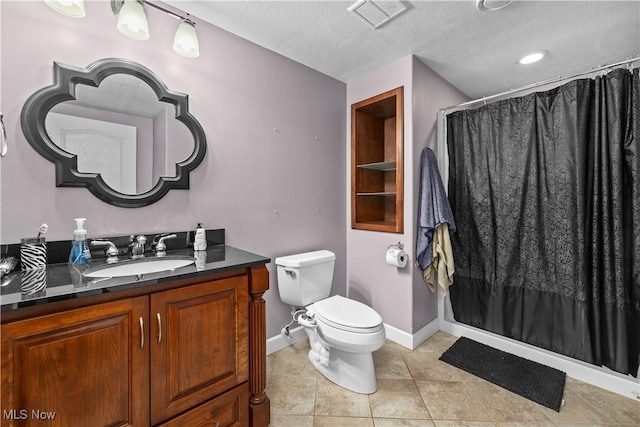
[[417, 389]]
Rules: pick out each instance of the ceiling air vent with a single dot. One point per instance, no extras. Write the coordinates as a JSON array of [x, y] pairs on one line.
[[377, 13]]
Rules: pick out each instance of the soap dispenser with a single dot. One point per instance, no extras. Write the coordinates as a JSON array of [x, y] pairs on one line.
[[200, 242], [80, 253]]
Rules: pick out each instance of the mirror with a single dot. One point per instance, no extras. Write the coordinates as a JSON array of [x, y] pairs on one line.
[[115, 129]]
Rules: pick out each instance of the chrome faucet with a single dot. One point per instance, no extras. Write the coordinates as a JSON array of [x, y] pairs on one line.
[[158, 243], [136, 247], [111, 251]]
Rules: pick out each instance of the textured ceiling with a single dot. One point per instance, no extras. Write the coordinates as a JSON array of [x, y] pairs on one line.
[[475, 51]]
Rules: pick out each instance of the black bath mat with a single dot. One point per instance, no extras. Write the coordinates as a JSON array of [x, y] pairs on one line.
[[531, 380]]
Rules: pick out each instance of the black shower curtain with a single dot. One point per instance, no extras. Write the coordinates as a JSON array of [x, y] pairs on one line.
[[545, 191]]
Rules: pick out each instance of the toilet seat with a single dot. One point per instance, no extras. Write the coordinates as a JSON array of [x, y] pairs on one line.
[[347, 315]]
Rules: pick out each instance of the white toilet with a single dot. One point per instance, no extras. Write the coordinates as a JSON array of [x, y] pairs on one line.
[[343, 333]]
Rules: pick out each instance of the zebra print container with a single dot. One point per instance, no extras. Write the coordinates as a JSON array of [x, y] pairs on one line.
[[33, 253], [34, 283]]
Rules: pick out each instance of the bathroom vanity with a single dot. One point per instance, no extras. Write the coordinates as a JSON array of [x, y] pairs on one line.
[[176, 348]]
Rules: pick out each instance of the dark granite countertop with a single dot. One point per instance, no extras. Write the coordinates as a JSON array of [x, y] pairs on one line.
[[60, 281]]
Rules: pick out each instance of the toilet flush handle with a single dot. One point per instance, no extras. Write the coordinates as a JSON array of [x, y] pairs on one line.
[[290, 273]]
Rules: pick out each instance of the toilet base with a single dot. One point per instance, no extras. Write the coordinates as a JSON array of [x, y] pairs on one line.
[[353, 371]]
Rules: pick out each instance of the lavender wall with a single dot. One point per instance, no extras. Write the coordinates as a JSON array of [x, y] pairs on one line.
[[399, 295], [370, 280], [274, 174], [430, 93]]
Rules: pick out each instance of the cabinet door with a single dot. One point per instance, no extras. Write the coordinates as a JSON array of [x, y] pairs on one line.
[[83, 367], [200, 344]]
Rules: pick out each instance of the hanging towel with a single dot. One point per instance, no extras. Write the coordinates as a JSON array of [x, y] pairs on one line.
[[433, 210], [441, 269]]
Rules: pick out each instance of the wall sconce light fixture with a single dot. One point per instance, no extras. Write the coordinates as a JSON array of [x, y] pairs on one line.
[[71, 8], [185, 42], [132, 22]]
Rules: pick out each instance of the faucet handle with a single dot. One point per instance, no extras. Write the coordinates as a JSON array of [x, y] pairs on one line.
[[111, 251], [159, 237], [158, 242]]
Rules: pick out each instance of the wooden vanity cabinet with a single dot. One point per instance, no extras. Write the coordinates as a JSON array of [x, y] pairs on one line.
[[83, 367], [182, 356]]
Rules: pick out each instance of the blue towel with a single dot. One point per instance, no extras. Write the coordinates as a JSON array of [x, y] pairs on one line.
[[433, 208]]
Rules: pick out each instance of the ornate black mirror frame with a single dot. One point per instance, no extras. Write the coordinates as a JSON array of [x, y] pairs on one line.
[[66, 78]]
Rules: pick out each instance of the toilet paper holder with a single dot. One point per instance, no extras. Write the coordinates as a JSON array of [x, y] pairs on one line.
[[398, 245], [396, 256]]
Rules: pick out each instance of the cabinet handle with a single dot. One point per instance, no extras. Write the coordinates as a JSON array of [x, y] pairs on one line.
[[159, 328], [141, 333]]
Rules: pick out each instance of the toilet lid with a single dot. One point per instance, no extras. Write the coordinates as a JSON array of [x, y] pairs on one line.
[[343, 311]]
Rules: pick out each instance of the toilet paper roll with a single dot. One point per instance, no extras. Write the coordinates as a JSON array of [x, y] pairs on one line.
[[396, 257]]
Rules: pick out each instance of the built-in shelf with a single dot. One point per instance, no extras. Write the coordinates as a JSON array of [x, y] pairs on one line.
[[381, 166], [381, 193], [377, 201]]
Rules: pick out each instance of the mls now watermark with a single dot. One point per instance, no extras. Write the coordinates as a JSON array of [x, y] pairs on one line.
[[24, 414]]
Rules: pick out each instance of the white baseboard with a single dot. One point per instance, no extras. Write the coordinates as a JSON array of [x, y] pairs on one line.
[[624, 385], [279, 342], [405, 339], [411, 341]]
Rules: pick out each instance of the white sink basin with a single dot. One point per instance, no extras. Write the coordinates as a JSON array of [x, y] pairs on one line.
[[140, 266]]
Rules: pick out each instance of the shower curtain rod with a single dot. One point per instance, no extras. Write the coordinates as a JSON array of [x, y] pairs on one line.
[[537, 84]]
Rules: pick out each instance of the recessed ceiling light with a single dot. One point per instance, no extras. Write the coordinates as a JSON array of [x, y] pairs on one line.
[[491, 5], [533, 57]]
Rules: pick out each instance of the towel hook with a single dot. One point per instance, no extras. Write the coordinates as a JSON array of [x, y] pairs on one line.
[[3, 137]]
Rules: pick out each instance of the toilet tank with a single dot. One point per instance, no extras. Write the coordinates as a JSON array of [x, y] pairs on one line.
[[305, 278]]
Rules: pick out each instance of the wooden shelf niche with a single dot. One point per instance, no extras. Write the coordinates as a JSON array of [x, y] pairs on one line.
[[377, 198]]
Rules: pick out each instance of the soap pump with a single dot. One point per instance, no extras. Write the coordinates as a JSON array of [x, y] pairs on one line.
[[80, 253], [200, 241]]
